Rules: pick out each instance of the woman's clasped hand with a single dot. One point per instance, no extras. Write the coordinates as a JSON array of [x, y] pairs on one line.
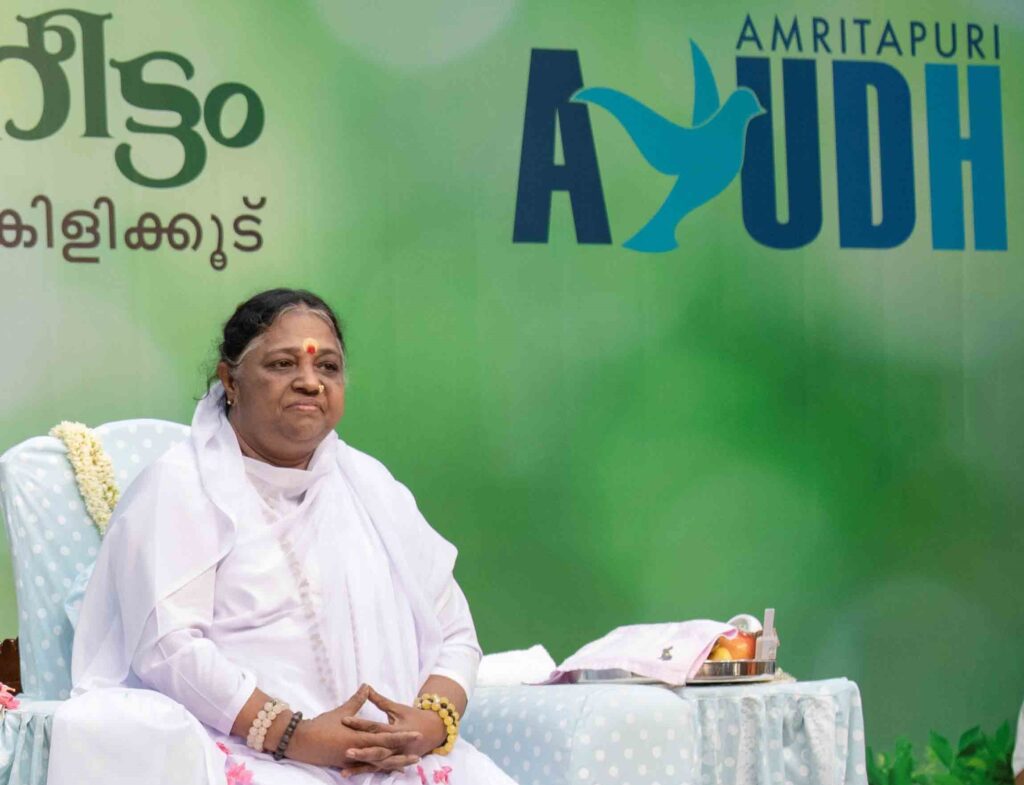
[[425, 727], [339, 739]]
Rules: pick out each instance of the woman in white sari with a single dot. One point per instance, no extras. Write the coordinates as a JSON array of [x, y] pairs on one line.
[[265, 569]]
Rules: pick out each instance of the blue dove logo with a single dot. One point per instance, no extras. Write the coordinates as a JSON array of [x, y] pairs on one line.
[[704, 158]]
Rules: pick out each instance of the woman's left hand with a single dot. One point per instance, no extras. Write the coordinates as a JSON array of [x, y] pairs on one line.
[[428, 724]]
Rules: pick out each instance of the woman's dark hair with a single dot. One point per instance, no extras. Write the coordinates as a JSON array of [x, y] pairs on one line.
[[253, 317]]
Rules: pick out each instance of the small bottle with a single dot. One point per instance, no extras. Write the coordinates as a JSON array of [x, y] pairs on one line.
[[768, 642]]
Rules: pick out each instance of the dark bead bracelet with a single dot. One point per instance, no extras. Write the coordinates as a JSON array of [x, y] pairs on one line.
[[287, 737]]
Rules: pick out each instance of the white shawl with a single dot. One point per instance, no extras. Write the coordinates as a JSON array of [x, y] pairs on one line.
[[179, 518]]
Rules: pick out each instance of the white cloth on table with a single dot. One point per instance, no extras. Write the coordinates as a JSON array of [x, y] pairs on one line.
[[220, 574], [520, 666]]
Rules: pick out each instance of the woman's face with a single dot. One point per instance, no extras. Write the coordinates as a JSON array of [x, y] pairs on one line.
[[279, 411]]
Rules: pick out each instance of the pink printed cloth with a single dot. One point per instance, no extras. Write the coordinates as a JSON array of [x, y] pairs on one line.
[[7, 699], [671, 652]]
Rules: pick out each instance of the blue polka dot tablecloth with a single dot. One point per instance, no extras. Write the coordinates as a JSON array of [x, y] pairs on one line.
[[25, 742], [797, 733]]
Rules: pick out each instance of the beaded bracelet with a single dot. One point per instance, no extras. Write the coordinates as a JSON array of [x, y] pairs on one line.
[[264, 719], [287, 737], [449, 715]]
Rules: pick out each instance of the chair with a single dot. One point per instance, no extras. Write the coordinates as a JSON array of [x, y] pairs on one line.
[[53, 542]]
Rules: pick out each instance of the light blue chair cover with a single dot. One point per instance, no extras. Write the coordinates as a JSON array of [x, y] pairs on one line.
[[53, 542], [53, 545]]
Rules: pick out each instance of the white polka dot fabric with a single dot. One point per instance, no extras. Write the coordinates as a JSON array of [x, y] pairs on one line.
[[802, 733], [54, 542]]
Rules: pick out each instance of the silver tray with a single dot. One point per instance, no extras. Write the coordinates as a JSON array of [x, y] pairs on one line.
[[609, 676], [712, 672], [734, 671]]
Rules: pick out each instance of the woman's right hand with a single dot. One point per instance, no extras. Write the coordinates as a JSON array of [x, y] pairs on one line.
[[325, 741]]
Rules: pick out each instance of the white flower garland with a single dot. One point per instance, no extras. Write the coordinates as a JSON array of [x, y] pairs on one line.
[[94, 472]]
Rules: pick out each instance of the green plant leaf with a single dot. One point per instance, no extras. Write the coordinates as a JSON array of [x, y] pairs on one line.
[[969, 740], [877, 774], [1002, 738], [1002, 772], [902, 772], [942, 748], [980, 760]]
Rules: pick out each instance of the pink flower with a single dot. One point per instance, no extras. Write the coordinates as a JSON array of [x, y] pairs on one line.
[[223, 748], [239, 775], [7, 699], [423, 775], [441, 775]]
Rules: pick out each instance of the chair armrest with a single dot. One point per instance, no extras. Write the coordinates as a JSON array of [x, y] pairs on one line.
[[10, 664]]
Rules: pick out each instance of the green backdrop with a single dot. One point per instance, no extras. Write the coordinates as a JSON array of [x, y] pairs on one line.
[[609, 437]]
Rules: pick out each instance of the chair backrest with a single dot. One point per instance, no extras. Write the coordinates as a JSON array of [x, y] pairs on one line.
[[53, 540]]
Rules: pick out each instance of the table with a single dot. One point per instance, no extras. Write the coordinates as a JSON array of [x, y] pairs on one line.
[[797, 733]]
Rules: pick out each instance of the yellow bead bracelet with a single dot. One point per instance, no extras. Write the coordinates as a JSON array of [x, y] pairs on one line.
[[449, 716]]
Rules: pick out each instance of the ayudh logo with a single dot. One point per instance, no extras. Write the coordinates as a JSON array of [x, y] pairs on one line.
[[868, 62]]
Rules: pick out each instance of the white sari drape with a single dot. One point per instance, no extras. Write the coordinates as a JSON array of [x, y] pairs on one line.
[[337, 586]]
